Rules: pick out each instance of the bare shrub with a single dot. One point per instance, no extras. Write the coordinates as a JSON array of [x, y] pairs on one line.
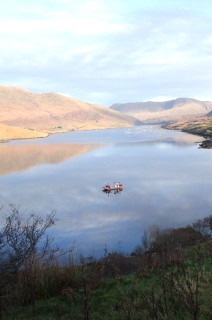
[[23, 242], [204, 226]]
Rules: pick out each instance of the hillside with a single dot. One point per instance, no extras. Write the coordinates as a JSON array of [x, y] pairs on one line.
[[51, 112], [155, 112], [9, 133], [198, 125]]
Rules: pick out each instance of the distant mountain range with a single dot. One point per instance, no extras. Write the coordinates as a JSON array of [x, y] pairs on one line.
[[174, 110], [51, 112]]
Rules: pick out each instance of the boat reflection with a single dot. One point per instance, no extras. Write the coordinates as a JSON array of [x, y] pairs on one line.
[[115, 190]]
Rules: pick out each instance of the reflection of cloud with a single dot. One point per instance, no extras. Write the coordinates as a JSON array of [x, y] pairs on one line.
[[22, 157]]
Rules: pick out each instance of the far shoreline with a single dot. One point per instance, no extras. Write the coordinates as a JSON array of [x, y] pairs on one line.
[[61, 132], [167, 126]]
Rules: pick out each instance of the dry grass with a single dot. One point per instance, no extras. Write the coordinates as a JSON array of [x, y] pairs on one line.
[[10, 132]]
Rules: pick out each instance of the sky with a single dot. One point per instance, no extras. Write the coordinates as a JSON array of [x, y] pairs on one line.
[[108, 51]]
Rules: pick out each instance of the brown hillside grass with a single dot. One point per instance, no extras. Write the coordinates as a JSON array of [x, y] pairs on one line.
[[9, 132], [198, 125]]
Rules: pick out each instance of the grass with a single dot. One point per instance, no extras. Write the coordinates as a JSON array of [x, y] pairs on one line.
[[130, 298]]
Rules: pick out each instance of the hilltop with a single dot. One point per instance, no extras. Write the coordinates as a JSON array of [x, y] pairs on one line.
[[174, 110], [51, 112]]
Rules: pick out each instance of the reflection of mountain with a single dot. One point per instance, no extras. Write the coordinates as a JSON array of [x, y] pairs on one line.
[[187, 139], [180, 140], [14, 158]]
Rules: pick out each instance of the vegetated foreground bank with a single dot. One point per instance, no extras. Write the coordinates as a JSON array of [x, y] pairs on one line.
[[168, 276]]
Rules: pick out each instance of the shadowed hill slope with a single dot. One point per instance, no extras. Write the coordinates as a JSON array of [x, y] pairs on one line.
[[51, 112], [173, 110]]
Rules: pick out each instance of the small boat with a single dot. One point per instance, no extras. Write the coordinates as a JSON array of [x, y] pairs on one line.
[[117, 187]]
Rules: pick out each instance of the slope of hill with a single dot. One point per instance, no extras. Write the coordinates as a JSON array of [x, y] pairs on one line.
[[173, 110], [198, 125], [52, 112], [9, 132]]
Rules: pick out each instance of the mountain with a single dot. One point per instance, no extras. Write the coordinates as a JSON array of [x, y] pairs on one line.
[[166, 111], [51, 112]]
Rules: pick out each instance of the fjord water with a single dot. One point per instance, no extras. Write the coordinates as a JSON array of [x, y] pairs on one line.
[[166, 179]]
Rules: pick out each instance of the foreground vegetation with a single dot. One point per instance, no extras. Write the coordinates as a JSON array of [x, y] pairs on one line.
[[168, 276]]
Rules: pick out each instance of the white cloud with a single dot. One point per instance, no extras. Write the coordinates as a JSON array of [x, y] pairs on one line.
[[78, 26], [161, 99], [126, 51]]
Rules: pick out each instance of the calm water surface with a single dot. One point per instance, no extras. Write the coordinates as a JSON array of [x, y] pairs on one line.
[[167, 181]]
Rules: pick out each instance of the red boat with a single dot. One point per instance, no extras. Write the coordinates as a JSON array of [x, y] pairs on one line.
[[117, 187]]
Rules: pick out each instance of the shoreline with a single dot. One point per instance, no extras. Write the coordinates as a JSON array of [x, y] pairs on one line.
[[205, 144], [169, 126], [59, 132]]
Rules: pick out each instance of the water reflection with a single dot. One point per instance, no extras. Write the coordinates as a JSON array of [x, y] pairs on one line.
[[22, 157], [165, 182], [145, 133]]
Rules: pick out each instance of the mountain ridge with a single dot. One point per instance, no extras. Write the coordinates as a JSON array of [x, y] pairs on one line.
[[166, 111]]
